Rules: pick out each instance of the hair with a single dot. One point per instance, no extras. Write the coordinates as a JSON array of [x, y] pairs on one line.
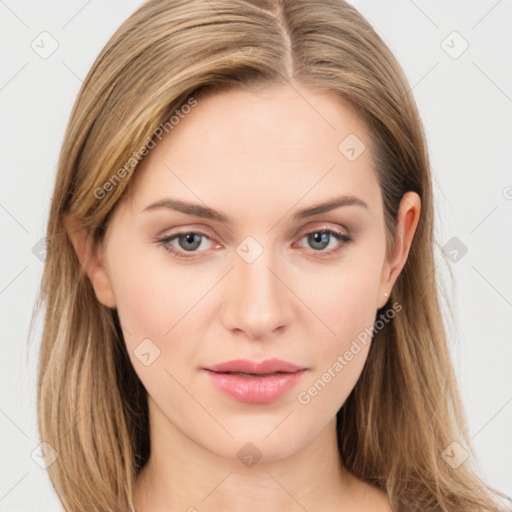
[[405, 409]]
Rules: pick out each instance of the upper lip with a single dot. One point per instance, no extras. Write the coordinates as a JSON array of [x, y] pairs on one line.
[[263, 367]]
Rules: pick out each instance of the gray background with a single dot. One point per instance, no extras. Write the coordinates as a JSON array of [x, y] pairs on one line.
[[465, 100]]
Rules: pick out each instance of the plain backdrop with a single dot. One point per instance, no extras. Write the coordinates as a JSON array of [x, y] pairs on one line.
[[456, 56]]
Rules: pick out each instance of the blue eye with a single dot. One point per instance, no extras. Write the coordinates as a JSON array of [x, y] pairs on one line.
[[190, 241], [320, 239]]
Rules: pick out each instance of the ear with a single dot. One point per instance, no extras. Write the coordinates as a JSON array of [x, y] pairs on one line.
[[91, 257], [407, 222]]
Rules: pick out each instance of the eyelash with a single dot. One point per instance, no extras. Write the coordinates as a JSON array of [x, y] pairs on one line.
[[341, 237]]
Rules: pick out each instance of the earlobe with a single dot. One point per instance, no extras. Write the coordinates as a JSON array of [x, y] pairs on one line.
[[91, 257], [407, 222]]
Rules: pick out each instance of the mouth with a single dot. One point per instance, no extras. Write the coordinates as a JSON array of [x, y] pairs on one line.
[[247, 367], [246, 374], [254, 387]]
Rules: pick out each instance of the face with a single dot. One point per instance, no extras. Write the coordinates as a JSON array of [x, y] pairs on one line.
[[262, 282]]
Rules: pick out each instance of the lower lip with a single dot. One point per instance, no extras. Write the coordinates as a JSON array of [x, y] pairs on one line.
[[255, 390]]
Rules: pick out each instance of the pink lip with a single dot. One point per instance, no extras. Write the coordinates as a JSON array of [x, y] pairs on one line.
[[271, 379], [246, 366]]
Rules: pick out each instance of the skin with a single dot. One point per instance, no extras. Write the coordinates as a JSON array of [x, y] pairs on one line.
[[258, 157]]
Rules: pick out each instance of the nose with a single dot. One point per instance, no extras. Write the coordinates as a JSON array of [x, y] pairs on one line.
[[258, 303]]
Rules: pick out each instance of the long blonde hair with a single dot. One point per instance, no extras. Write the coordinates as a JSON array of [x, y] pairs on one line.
[[405, 410]]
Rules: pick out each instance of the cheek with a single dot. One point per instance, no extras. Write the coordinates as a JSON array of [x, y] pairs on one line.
[[343, 300], [154, 295], [345, 307], [157, 304], [160, 300]]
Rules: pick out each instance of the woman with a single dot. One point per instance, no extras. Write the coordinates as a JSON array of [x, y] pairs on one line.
[[242, 309]]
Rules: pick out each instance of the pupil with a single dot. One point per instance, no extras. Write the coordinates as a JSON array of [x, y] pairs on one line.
[[190, 238], [316, 238], [320, 238]]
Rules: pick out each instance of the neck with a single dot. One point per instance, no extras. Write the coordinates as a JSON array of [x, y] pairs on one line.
[[183, 475]]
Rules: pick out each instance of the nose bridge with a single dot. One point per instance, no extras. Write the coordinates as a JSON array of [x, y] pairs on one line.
[[258, 302]]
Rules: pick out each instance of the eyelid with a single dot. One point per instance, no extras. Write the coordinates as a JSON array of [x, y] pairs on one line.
[[187, 228], [342, 235], [203, 230], [323, 226], [165, 241]]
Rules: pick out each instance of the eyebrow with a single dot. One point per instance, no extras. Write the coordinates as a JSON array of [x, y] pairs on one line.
[[208, 213]]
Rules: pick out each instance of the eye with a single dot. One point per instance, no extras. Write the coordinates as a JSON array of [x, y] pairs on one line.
[[320, 239], [188, 241], [191, 241]]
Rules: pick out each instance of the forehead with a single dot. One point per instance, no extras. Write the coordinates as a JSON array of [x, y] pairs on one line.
[[288, 120], [275, 143]]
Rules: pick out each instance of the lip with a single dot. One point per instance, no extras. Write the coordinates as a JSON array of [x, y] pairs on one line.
[[270, 380], [247, 366]]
